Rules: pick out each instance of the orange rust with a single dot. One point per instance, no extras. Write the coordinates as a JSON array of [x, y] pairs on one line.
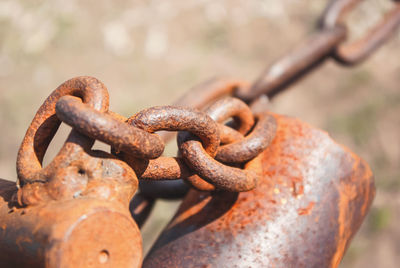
[[227, 226], [67, 233], [55, 217], [346, 212], [306, 210]]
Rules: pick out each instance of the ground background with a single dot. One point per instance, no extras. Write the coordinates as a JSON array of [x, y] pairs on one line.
[[150, 52]]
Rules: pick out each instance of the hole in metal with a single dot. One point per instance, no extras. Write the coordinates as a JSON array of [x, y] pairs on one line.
[[104, 256]]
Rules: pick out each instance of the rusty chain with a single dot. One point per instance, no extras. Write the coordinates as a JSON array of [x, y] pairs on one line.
[[225, 129], [328, 42], [133, 140]]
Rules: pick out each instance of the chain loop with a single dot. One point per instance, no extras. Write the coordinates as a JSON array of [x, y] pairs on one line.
[[361, 49], [173, 118], [230, 107], [219, 175], [45, 124], [242, 150], [252, 145], [327, 42], [109, 129]]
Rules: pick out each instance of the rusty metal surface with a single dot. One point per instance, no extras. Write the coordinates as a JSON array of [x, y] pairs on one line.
[[251, 145], [45, 124], [270, 190], [107, 128], [329, 41], [84, 232], [76, 170], [55, 216], [228, 135], [174, 118], [229, 107], [83, 175], [82, 179], [223, 177], [238, 149], [309, 203], [199, 97], [138, 147]]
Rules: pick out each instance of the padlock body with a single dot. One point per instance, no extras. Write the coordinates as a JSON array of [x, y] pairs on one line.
[[309, 203]]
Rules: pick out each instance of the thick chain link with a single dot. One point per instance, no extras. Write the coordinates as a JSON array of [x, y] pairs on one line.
[[329, 41]]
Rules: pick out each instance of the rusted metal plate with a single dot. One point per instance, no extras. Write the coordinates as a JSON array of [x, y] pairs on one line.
[[309, 203], [84, 232]]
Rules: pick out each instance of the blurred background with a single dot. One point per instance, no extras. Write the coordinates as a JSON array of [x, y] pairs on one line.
[[150, 52]]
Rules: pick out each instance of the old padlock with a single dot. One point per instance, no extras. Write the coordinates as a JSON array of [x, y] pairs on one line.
[[74, 212], [310, 201]]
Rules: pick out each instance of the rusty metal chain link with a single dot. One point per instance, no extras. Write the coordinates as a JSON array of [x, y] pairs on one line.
[[357, 51], [213, 151], [328, 41]]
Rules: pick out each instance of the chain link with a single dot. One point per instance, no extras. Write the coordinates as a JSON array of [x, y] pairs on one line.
[[328, 42], [359, 50]]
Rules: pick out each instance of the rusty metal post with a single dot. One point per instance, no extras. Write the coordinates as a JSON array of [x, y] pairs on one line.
[[309, 203]]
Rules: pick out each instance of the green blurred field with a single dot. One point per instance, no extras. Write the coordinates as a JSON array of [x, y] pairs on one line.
[[150, 52]]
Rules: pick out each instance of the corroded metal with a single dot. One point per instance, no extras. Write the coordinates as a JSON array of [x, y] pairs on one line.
[[359, 50], [109, 129], [77, 217], [251, 145], [329, 41], [279, 193], [221, 176], [308, 205], [239, 150], [174, 118], [229, 107], [73, 212], [82, 232], [199, 97], [45, 124]]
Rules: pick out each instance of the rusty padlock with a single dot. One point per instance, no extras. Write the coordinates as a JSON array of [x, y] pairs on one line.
[[310, 201], [74, 212]]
